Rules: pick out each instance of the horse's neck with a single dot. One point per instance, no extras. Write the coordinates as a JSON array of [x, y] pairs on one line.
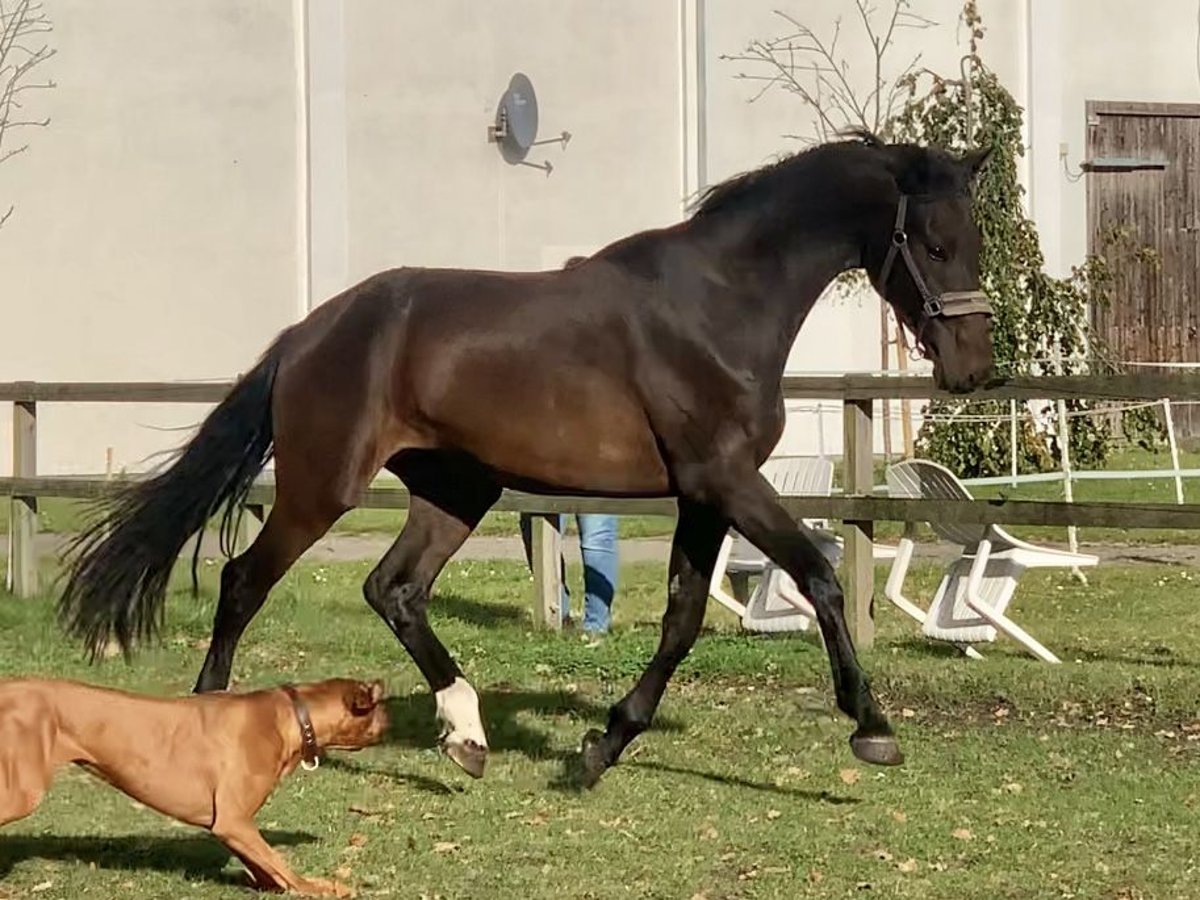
[[770, 298]]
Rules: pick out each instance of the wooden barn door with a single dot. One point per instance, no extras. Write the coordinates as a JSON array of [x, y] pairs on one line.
[[1143, 190]]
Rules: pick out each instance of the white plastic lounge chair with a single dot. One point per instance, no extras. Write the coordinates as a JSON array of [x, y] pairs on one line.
[[776, 604], [969, 605]]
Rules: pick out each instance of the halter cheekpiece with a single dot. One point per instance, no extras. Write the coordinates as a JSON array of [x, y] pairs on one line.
[[947, 303]]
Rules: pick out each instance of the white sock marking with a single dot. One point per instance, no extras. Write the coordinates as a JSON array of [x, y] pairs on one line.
[[458, 710]]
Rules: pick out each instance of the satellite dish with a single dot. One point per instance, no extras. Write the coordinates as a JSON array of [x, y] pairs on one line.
[[516, 119]]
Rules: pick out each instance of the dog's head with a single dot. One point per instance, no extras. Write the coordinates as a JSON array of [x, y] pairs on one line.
[[346, 714]]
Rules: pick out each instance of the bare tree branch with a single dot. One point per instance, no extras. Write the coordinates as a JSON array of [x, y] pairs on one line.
[[803, 63], [19, 20]]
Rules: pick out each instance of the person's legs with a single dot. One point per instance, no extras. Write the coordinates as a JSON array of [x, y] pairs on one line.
[[598, 546]]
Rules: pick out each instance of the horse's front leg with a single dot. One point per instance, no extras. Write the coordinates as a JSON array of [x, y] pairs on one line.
[[698, 537], [749, 502]]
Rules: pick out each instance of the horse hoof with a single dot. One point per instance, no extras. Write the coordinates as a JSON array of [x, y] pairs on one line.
[[470, 757], [877, 749], [594, 761]]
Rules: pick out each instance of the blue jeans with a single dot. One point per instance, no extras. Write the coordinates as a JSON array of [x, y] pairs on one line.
[[598, 546]]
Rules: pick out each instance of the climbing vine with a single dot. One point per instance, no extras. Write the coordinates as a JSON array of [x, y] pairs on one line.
[[23, 25], [1041, 322]]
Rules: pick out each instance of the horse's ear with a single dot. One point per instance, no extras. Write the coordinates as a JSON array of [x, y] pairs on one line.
[[976, 161]]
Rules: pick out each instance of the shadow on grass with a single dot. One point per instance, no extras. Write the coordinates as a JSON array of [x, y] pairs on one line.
[[1161, 656], [420, 782], [924, 648], [413, 721], [734, 781], [198, 857], [572, 780], [413, 725], [475, 612]]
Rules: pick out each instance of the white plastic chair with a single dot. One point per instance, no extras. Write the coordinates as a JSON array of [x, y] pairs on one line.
[[976, 589], [776, 603]]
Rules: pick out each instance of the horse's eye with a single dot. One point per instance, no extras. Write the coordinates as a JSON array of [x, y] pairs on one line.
[[938, 252]]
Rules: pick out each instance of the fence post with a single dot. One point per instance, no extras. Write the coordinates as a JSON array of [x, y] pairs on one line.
[[1174, 445], [547, 572], [858, 454], [1012, 436], [22, 560]]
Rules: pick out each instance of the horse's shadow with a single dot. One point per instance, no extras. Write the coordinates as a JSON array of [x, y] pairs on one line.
[[816, 796], [420, 782], [506, 713], [1161, 656], [197, 857], [413, 725], [510, 720], [475, 612]]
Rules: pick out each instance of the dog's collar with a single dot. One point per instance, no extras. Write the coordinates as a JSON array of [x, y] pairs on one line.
[[310, 752]]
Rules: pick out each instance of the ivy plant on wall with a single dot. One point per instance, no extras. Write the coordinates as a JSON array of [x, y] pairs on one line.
[[1041, 323]]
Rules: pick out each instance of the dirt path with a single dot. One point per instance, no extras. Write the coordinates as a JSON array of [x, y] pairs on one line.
[[339, 547]]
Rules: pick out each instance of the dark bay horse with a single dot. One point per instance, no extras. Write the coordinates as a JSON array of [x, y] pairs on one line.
[[651, 369]]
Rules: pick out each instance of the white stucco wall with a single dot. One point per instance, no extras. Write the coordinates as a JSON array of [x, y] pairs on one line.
[[215, 168], [1110, 50], [423, 81], [155, 227]]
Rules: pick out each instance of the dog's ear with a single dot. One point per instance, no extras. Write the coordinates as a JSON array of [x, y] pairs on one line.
[[365, 697]]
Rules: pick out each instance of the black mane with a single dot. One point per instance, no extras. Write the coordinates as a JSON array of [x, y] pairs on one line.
[[917, 170]]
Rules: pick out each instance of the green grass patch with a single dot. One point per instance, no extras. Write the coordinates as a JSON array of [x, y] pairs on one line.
[[55, 514], [1023, 780]]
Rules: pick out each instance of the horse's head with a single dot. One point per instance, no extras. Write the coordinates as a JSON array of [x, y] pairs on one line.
[[924, 260]]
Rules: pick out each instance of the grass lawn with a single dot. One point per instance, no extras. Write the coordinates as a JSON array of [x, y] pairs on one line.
[[55, 515], [1022, 780]]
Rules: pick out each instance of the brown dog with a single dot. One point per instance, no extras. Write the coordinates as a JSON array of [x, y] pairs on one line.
[[210, 760]]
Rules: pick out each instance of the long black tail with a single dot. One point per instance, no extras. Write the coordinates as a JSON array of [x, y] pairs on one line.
[[121, 562]]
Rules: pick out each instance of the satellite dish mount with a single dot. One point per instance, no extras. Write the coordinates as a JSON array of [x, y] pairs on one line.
[[515, 128]]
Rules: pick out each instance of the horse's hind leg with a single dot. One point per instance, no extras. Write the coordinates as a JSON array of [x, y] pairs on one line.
[[449, 495], [698, 536], [246, 580]]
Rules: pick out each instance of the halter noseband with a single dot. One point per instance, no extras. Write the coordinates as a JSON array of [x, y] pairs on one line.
[[947, 303]]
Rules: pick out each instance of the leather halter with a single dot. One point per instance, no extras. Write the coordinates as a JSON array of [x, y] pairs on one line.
[[310, 751], [947, 303]]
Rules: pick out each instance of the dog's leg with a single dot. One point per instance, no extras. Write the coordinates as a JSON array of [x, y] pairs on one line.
[[26, 768], [18, 802], [268, 869]]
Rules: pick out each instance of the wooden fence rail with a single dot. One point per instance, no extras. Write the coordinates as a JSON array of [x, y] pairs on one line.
[[857, 508], [1184, 386]]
